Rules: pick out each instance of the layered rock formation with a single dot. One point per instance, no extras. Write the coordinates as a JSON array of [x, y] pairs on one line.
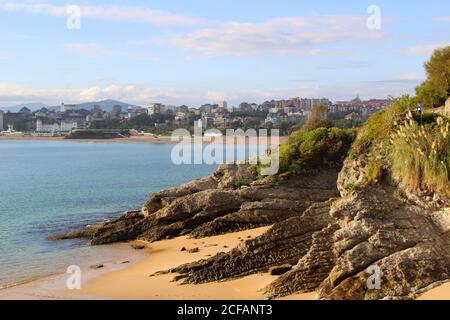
[[230, 200], [337, 247]]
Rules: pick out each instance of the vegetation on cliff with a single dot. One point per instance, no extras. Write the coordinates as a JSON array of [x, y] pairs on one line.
[[316, 148], [412, 147]]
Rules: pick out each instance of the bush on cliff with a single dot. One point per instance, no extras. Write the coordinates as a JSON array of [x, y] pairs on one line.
[[380, 126], [315, 148], [414, 148]]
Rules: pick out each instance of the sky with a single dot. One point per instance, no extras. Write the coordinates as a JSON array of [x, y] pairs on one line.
[[203, 51]]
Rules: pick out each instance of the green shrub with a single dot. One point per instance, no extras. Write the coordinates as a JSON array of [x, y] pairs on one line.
[[287, 156], [312, 149]]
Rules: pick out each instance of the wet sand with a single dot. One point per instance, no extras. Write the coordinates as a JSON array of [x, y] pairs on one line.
[[133, 280]]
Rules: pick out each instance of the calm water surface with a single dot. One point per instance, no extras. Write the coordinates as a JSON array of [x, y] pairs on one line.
[[51, 187]]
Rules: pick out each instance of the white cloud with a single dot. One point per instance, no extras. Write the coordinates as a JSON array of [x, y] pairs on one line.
[[420, 50], [310, 36], [14, 94], [92, 50], [113, 12]]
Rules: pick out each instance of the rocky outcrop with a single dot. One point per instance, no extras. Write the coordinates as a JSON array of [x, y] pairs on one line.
[[284, 243], [127, 227], [83, 233], [230, 200], [345, 248], [163, 198], [373, 231]]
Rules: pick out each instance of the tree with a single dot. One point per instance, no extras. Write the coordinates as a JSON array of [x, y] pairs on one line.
[[318, 114], [436, 89]]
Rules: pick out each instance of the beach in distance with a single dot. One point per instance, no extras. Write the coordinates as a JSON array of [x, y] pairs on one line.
[[152, 139]]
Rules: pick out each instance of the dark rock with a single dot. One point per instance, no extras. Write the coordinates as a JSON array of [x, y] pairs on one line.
[[128, 227], [159, 273], [280, 270], [194, 250], [97, 266], [138, 246], [84, 233]]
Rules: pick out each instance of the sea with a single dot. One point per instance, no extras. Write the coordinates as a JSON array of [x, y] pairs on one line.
[[51, 187]]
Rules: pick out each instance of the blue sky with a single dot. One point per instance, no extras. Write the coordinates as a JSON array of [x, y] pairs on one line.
[[198, 51]]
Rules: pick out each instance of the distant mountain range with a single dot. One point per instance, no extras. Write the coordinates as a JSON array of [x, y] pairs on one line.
[[32, 106], [106, 105]]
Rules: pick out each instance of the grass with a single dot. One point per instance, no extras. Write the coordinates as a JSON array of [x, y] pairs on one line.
[[421, 154], [414, 147], [378, 128]]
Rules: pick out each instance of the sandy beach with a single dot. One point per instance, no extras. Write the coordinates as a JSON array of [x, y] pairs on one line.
[[442, 292], [144, 139], [133, 281]]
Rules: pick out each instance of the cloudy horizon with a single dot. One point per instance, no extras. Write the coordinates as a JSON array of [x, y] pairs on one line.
[[196, 52]]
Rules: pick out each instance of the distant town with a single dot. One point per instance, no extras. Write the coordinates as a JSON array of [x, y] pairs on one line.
[[160, 119]]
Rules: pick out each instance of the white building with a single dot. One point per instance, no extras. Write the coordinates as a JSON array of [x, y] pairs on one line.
[[223, 104], [68, 107], [54, 128], [11, 132], [2, 120], [155, 108]]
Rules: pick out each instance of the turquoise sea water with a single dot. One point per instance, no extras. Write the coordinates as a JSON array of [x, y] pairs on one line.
[[52, 187]]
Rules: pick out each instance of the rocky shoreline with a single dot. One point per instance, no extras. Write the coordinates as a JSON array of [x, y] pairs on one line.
[[325, 235]]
